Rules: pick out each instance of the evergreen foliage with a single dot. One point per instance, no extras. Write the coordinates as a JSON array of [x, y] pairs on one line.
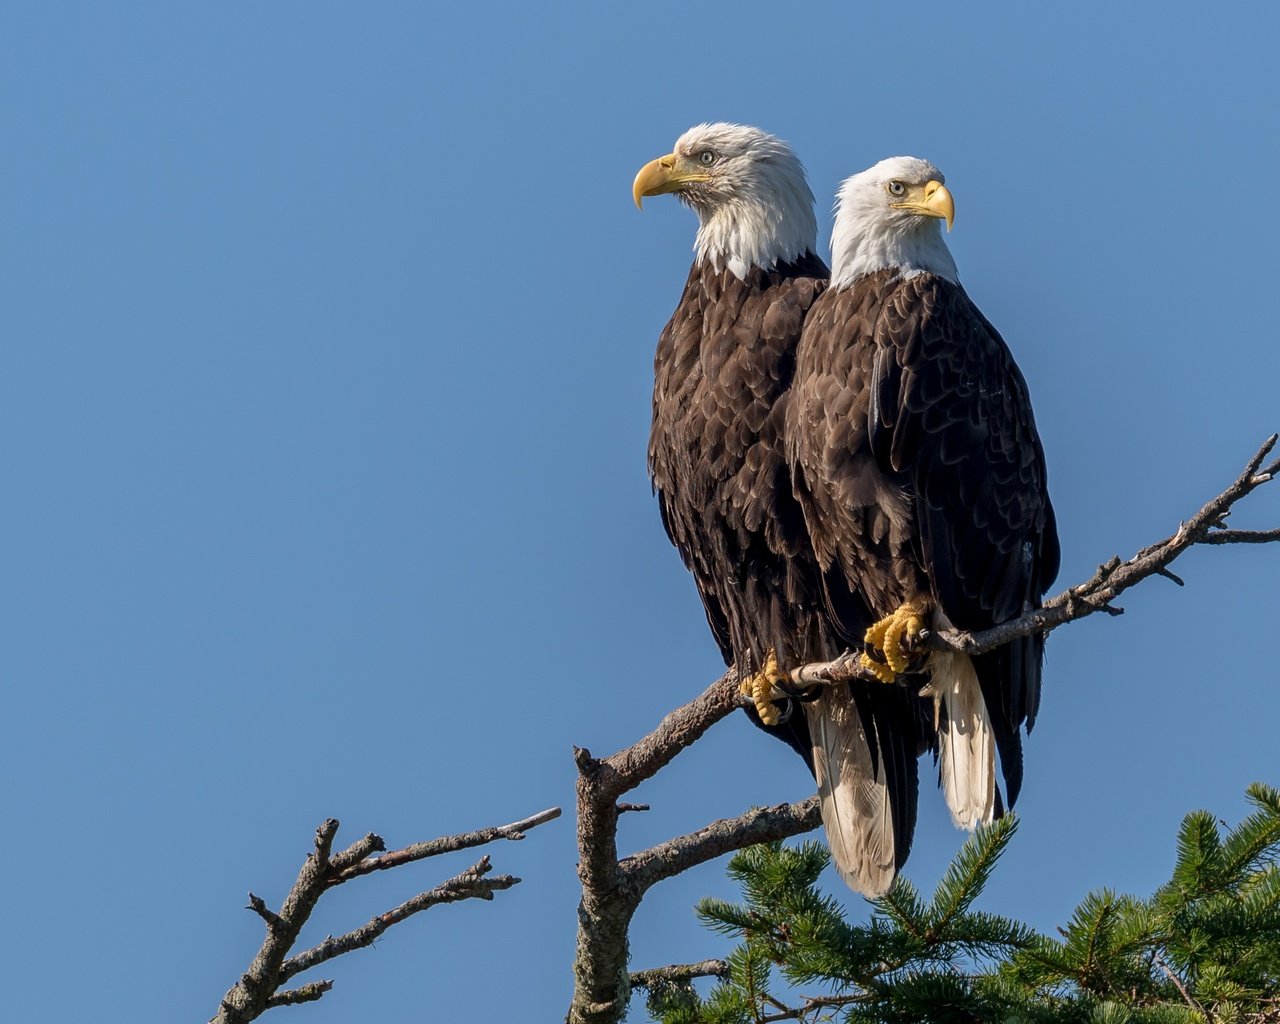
[[1205, 947]]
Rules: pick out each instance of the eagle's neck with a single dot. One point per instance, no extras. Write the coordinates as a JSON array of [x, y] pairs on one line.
[[911, 245], [757, 232]]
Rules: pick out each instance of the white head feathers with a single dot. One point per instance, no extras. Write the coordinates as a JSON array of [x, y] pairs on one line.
[[756, 209], [870, 234]]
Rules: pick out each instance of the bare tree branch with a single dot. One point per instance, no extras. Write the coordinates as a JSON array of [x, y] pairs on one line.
[[683, 727], [470, 884], [609, 896], [257, 989], [1241, 537], [679, 972], [808, 1006], [1098, 593], [303, 994], [448, 844], [759, 825], [1114, 577], [1186, 996], [613, 889]]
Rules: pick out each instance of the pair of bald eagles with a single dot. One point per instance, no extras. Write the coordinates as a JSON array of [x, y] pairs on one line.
[[845, 459]]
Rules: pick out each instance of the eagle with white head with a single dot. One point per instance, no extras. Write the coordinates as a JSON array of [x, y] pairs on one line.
[[916, 461], [717, 454]]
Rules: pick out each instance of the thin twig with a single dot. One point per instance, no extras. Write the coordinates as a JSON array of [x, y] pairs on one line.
[[1186, 996], [302, 994], [341, 863], [447, 844], [260, 908], [1242, 537], [469, 884], [811, 1004]]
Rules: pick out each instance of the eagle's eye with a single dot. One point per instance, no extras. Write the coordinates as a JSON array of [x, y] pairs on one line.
[[896, 188], [706, 158]]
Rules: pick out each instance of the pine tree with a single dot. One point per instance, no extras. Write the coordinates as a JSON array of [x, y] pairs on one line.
[[1205, 946]]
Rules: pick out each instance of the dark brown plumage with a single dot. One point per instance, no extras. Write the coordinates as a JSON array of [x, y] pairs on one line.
[[722, 373], [920, 472], [723, 369], [724, 363]]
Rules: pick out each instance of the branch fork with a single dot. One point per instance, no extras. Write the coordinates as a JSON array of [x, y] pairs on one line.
[[612, 888], [258, 989]]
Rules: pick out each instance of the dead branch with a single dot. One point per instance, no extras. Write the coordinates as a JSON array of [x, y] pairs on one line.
[[447, 844], [612, 889], [809, 1006], [759, 825], [303, 994], [1114, 577], [679, 972], [470, 884], [258, 988], [1096, 594]]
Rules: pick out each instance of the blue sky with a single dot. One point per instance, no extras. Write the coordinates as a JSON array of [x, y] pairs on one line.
[[324, 399]]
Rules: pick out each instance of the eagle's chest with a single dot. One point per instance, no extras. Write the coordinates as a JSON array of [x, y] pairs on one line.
[[861, 514], [714, 402]]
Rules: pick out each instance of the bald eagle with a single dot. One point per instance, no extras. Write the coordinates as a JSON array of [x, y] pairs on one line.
[[717, 456], [916, 461]]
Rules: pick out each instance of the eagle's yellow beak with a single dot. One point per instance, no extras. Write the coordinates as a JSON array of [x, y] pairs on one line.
[[668, 173], [931, 200]]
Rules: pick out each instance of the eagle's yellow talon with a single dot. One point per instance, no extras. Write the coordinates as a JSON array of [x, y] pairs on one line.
[[893, 636], [759, 688], [878, 668]]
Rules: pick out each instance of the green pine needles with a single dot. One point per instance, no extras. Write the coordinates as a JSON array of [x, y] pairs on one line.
[[1204, 947]]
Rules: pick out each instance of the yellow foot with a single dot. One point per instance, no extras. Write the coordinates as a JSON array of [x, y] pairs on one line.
[[893, 637], [759, 688]]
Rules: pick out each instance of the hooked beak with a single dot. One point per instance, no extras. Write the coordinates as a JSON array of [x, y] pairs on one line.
[[932, 200], [668, 173]]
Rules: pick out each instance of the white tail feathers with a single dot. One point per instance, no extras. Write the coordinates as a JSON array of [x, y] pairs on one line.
[[855, 798], [966, 744]]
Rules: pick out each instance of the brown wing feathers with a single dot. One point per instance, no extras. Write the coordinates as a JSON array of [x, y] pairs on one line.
[[935, 409], [724, 363], [724, 367]]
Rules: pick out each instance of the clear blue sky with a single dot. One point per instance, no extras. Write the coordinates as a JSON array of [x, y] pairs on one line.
[[324, 394]]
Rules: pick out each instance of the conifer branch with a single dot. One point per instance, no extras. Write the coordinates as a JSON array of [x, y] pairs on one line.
[[1169, 972], [1204, 947], [811, 1004]]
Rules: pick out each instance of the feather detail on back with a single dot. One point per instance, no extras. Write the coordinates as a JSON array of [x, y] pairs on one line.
[[854, 793], [966, 742]]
